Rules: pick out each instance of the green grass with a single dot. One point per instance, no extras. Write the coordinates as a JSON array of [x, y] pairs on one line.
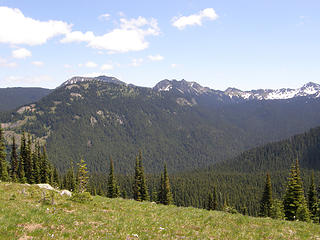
[[24, 216]]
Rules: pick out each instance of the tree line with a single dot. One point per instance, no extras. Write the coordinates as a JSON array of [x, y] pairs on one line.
[[31, 165]]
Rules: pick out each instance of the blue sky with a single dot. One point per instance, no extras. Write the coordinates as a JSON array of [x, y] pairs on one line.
[[219, 44]]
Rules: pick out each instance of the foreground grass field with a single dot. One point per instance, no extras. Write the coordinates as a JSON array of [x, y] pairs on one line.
[[23, 215]]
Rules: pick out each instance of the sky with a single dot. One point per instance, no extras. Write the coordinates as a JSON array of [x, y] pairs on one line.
[[219, 44]]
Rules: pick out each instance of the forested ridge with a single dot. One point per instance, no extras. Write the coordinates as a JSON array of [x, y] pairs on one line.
[[95, 119]]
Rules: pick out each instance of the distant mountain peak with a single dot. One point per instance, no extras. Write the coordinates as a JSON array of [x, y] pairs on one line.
[[182, 86], [310, 89], [107, 79]]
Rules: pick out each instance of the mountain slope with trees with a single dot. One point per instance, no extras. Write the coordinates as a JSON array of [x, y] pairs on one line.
[[11, 98], [96, 119]]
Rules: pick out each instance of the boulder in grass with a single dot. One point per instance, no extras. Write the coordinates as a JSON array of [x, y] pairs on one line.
[[46, 186], [66, 192]]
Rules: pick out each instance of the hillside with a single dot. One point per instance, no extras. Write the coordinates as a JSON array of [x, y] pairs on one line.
[[25, 216], [11, 98], [97, 118], [242, 177]]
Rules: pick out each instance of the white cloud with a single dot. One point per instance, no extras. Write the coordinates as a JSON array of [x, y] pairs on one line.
[[27, 81], [78, 36], [67, 66], [105, 67], [15, 28], [91, 64], [194, 19], [37, 63], [21, 53], [174, 65], [136, 62], [105, 16], [5, 63], [94, 74], [156, 57], [130, 36]]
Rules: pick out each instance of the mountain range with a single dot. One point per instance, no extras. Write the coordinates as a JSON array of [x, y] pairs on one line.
[[178, 122]]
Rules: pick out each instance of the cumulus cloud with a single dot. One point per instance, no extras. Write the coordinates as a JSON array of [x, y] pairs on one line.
[[105, 67], [91, 64], [136, 62], [37, 63], [156, 57], [130, 36], [27, 81], [194, 19], [105, 16], [15, 28], [21, 53], [6, 63]]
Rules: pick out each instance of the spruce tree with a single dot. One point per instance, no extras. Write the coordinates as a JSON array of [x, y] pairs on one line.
[[160, 190], [112, 184], [82, 176], [14, 161], [44, 167], [22, 157], [312, 199], [266, 201], [36, 161], [137, 182], [212, 200], [143, 188], [4, 176], [294, 203], [28, 166], [167, 195]]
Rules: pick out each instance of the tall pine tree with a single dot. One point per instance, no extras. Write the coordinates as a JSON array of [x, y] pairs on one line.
[[294, 203], [28, 166], [165, 195], [266, 201], [4, 176], [82, 176], [22, 157], [312, 199], [14, 161], [140, 190], [137, 182], [212, 200], [113, 189]]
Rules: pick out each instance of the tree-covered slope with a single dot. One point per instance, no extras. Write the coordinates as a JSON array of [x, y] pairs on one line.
[[95, 120], [11, 98]]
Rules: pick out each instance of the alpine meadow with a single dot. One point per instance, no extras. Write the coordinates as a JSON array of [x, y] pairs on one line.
[[159, 120]]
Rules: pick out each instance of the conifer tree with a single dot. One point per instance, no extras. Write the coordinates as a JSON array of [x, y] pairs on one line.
[[22, 157], [4, 176], [160, 190], [112, 184], [294, 203], [56, 178], [14, 161], [143, 188], [137, 182], [167, 195], [44, 167], [28, 166], [266, 201], [312, 199], [82, 176], [212, 200], [70, 179], [36, 161]]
